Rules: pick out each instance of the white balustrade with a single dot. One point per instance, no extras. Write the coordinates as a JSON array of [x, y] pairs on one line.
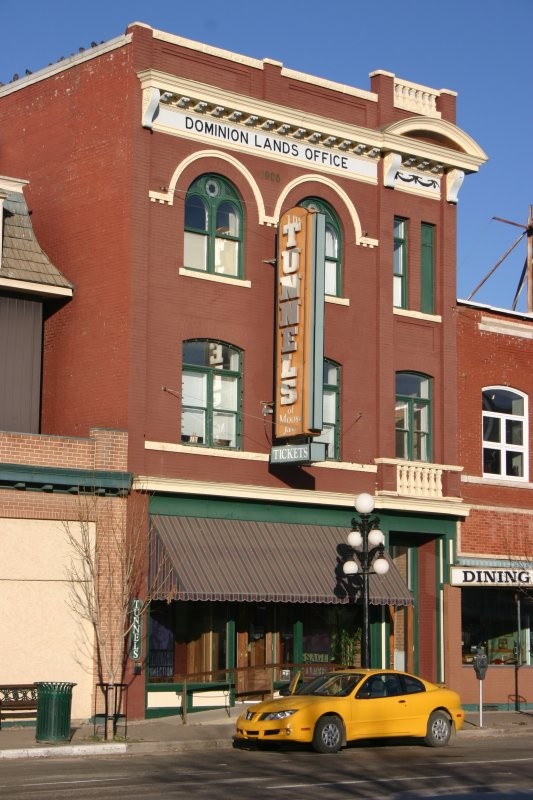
[[419, 480], [416, 98]]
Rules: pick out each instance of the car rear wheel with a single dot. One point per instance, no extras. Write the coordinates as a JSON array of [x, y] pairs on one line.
[[329, 735], [439, 729]]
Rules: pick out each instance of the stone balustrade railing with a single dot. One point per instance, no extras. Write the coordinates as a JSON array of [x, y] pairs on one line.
[[419, 480], [418, 99]]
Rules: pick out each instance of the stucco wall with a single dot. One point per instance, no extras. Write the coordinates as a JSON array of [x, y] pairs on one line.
[[40, 637]]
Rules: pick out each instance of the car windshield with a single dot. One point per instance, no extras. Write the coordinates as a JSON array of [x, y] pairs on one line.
[[331, 685]]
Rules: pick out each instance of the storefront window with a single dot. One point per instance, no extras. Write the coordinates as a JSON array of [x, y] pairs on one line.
[[330, 635], [187, 640], [496, 620]]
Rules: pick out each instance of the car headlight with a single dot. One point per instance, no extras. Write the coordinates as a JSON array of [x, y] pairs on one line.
[[271, 715]]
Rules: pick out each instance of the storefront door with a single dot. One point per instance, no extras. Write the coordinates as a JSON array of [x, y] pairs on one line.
[[256, 649]]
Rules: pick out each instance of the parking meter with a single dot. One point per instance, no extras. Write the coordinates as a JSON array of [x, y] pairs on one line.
[[480, 665]]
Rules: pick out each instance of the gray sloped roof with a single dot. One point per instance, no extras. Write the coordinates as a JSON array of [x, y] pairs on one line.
[[22, 257]]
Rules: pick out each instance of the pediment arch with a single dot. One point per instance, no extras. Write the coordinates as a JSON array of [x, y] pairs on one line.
[[439, 132]]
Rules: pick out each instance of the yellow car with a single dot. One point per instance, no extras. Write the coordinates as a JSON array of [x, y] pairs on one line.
[[344, 705]]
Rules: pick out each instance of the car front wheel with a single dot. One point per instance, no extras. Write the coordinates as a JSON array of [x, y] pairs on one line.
[[439, 729], [329, 734]]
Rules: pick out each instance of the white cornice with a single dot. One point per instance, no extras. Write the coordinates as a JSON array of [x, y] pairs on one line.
[[31, 287], [12, 184], [508, 327], [248, 455], [174, 91], [147, 483], [165, 91]]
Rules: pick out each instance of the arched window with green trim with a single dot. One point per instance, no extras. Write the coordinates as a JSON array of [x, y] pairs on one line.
[[211, 394], [331, 409], [213, 240], [333, 261], [413, 416]]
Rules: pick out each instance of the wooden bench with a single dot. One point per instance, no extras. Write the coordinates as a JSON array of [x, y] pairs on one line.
[[18, 701]]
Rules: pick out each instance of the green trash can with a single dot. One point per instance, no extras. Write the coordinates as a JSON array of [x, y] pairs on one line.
[[54, 701]]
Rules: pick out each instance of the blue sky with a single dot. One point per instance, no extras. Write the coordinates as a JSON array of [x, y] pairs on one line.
[[477, 48]]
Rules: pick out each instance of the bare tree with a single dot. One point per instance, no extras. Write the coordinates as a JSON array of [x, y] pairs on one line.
[[108, 541]]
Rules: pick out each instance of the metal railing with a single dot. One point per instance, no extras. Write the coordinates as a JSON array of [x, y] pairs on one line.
[[241, 682]]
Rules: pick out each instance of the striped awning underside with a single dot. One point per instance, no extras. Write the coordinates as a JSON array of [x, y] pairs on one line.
[[247, 561]]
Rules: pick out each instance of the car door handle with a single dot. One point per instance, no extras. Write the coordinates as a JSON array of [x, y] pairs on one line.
[[401, 701]]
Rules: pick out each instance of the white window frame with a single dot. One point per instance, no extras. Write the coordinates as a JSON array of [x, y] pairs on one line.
[[502, 446]]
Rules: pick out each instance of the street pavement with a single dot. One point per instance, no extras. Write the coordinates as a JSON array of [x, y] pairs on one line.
[[204, 730]]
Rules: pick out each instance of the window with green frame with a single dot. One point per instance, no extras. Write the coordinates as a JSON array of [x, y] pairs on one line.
[[333, 259], [213, 240], [331, 409], [413, 416], [400, 263], [211, 394], [427, 268]]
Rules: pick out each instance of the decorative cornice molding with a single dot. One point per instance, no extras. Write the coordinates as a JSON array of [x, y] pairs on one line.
[[72, 481], [520, 330], [253, 113], [439, 507], [183, 107]]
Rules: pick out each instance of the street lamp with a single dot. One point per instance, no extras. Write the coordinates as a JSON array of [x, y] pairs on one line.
[[366, 541]]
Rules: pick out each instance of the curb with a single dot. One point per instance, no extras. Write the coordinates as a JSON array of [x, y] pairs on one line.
[[190, 745], [67, 750], [139, 748]]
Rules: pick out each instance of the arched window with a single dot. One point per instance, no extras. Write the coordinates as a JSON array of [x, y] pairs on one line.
[[331, 409], [504, 433], [213, 227], [211, 394], [413, 416], [333, 272]]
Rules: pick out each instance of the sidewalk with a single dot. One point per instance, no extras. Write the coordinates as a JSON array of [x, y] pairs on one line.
[[205, 730]]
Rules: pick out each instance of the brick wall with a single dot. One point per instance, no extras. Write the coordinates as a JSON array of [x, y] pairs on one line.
[[104, 450], [500, 523]]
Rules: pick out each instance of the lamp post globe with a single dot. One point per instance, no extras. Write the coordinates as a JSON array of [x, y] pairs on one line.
[[364, 503], [367, 542], [381, 566]]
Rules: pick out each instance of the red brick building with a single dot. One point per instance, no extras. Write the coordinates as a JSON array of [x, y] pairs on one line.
[[493, 574], [159, 171]]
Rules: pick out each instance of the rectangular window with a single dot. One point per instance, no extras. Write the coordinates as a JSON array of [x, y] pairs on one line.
[[330, 409], [427, 268], [400, 263], [194, 394], [226, 257], [413, 416], [492, 620], [195, 251], [402, 429]]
